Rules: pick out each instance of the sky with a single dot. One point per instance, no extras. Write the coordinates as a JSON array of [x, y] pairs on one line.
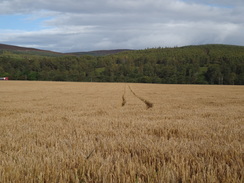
[[86, 25]]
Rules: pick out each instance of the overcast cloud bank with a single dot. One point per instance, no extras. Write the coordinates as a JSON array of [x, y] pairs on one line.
[[75, 25]]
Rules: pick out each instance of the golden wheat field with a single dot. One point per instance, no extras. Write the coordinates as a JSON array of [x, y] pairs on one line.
[[120, 133]]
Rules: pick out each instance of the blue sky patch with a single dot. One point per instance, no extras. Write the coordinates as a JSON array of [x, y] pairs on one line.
[[22, 22], [223, 5]]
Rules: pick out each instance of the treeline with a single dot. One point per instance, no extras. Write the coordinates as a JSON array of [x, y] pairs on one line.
[[206, 64]]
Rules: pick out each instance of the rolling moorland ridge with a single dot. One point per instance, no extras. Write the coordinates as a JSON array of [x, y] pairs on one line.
[[34, 51], [201, 64]]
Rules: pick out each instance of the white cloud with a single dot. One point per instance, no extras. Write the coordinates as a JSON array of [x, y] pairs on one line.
[[76, 25]]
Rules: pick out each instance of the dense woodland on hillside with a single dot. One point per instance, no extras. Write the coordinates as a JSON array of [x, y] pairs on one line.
[[206, 64]]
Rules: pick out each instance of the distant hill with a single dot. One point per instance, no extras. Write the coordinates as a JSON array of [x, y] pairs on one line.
[[196, 64], [34, 51], [100, 52], [30, 51]]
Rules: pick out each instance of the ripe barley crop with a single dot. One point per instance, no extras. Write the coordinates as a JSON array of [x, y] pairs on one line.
[[80, 132]]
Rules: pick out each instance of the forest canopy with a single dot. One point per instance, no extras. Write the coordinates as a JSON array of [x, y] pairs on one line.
[[204, 64]]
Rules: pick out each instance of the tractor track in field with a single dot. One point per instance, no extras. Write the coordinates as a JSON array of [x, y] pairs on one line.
[[148, 103], [123, 98], [124, 101]]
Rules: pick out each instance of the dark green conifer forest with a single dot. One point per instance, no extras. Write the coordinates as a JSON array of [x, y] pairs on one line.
[[204, 64]]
